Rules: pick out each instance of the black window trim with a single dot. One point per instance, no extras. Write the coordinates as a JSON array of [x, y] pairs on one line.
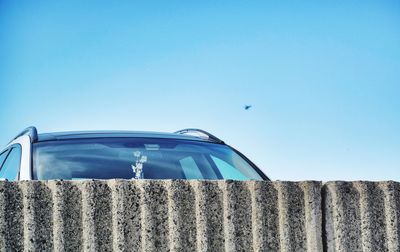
[[9, 149], [6, 151]]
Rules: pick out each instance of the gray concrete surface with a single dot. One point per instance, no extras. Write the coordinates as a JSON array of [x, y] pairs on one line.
[[177, 215], [362, 216]]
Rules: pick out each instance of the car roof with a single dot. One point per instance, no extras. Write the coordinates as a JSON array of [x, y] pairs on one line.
[[54, 136]]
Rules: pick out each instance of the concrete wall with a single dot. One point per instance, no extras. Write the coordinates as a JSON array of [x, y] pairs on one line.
[[180, 215], [362, 216]]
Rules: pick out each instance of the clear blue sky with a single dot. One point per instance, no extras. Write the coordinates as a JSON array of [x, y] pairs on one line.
[[323, 78]]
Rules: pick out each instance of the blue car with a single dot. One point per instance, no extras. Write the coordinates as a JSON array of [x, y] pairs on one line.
[[185, 154]]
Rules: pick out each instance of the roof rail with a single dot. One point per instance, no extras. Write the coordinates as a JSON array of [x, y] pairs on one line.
[[207, 135], [31, 132]]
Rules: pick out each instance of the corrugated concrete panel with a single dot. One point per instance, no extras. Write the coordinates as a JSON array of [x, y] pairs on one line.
[[362, 216], [182, 216], [169, 215], [11, 217], [178, 215], [127, 215], [37, 215], [266, 214], [67, 215], [209, 216], [155, 218], [97, 216], [237, 216]]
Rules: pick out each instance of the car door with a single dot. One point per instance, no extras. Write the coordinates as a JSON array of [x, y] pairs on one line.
[[10, 161]]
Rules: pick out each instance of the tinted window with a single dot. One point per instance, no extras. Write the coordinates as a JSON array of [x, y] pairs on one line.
[[190, 168], [138, 158], [228, 171], [10, 167]]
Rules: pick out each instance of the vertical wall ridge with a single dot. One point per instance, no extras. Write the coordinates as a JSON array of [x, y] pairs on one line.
[[143, 215], [58, 218], [391, 192], [182, 215], [155, 216], [209, 216], [38, 216], [225, 221], [347, 220], [199, 229], [67, 215], [329, 196], [117, 204], [313, 214], [265, 216], [171, 219], [4, 239], [281, 222], [254, 223], [126, 215], [373, 222], [11, 217], [237, 212], [87, 220], [96, 215], [291, 217]]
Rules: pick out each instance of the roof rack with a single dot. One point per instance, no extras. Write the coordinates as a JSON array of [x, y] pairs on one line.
[[31, 132], [199, 133]]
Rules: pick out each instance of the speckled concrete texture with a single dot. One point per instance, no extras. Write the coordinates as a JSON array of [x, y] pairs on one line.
[[209, 216], [362, 216], [127, 212], [195, 215], [37, 214], [11, 217], [67, 215]]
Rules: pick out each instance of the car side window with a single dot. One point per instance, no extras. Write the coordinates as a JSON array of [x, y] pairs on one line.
[[10, 168], [3, 156]]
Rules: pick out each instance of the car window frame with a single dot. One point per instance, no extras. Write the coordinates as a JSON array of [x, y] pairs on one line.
[[6, 152], [9, 150]]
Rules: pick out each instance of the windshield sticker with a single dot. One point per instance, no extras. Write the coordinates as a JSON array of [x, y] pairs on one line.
[[137, 168]]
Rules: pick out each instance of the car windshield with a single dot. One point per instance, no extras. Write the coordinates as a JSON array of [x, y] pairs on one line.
[[138, 158]]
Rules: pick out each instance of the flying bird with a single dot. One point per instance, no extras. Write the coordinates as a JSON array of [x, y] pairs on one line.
[[247, 107]]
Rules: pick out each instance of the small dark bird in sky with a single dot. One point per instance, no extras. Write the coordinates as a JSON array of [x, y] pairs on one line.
[[247, 107]]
